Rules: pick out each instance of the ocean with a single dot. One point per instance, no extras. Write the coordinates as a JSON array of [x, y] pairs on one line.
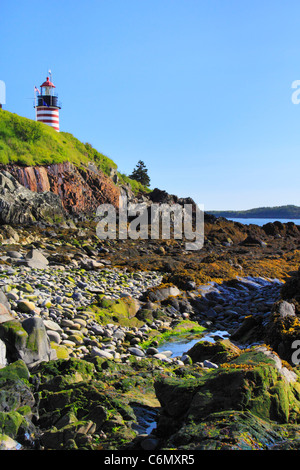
[[262, 222]]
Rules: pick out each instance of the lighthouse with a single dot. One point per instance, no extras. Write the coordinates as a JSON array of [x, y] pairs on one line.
[[46, 104]]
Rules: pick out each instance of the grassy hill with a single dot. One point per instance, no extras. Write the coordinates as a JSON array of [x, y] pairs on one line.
[[27, 142], [280, 212]]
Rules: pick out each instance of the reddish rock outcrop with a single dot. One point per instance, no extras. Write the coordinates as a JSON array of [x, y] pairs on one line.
[[81, 190]]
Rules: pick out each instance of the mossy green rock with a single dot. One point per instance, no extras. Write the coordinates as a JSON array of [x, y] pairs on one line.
[[14, 336], [16, 403], [228, 430], [16, 370], [249, 384], [27, 340], [62, 351], [37, 347], [121, 311], [75, 403], [76, 338], [10, 423], [148, 316], [58, 375], [219, 352], [26, 306], [26, 288], [79, 401], [15, 391]]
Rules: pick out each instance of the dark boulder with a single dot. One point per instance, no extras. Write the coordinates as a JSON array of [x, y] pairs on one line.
[[38, 347], [27, 340], [219, 352], [222, 409], [19, 205]]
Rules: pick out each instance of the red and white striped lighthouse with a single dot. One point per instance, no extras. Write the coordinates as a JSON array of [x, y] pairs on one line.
[[47, 107]]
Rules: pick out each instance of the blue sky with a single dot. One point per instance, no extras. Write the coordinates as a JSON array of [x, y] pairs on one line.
[[200, 90]]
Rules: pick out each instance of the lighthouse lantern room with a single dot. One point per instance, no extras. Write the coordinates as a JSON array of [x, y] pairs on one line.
[[46, 104]]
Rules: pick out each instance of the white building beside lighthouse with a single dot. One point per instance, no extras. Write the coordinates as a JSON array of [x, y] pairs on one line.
[[46, 104]]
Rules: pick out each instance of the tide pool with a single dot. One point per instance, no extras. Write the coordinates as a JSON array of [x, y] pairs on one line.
[[180, 346]]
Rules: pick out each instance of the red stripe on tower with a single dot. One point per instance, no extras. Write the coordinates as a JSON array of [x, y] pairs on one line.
[[44, 117], [46, 104]]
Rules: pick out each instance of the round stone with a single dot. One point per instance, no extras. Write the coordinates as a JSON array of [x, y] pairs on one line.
[[25, 306], [136, 352]]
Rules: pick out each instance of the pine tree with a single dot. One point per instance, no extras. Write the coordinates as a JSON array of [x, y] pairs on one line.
[[140, 174]]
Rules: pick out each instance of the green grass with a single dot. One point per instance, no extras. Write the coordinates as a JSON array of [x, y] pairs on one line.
[[27, 142]]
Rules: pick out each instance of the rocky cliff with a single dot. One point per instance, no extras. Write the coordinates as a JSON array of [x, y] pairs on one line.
[[20, 206], [80, 189]]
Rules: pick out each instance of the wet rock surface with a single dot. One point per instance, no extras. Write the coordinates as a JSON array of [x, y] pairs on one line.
[[84, 331]]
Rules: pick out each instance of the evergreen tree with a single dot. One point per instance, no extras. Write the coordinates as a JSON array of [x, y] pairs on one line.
[[140, 174]]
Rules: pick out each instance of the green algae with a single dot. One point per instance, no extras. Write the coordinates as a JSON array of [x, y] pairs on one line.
[[13, 333], [121, 311], [15, 371], [61, 350], [249, 388], [226, 430], [98, 399], [10, 423], [181, 330]]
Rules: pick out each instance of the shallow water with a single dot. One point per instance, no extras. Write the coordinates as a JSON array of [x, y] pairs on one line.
[[261, 221], [178, 347], [146, 419]]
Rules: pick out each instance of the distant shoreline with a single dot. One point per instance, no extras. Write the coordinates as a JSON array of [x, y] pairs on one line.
[[282, 212], [233, 216]]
